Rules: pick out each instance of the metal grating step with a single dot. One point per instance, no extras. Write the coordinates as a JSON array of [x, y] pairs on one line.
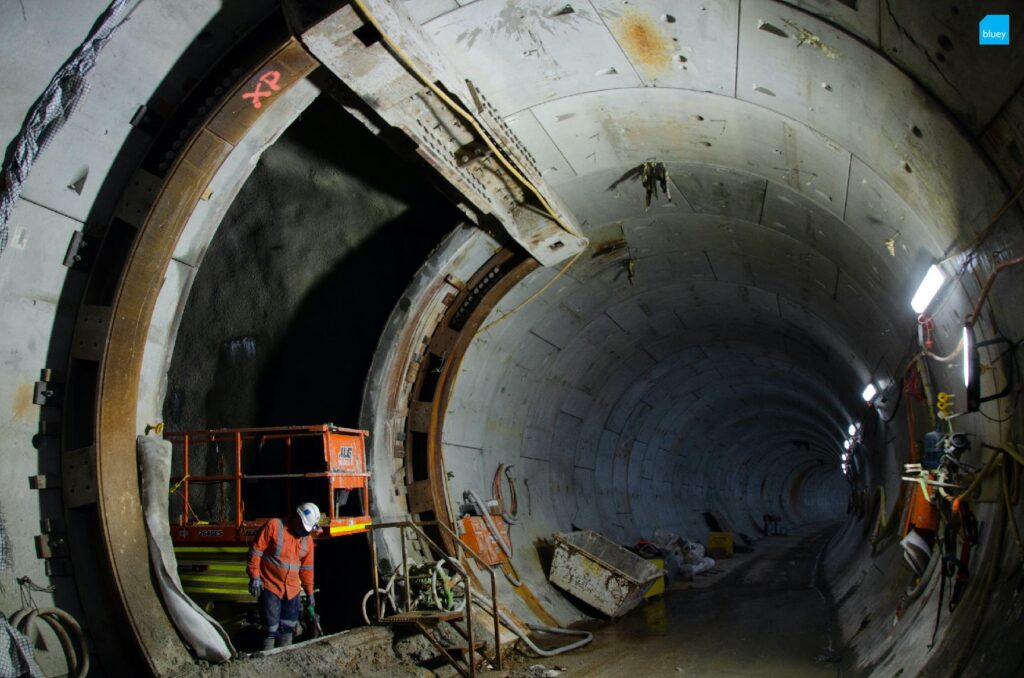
[[477, 645], [423, 617]]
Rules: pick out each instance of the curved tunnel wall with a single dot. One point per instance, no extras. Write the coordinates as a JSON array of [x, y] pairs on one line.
[[805, 211], [730, 172]]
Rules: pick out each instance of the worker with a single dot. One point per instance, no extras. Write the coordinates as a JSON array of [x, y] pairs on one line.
[[280, 569]]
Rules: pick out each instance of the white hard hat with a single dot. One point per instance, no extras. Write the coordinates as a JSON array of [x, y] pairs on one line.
[[309, 514]]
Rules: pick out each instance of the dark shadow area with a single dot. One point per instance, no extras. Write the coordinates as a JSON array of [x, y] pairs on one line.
[[285, 314], [317, 372]]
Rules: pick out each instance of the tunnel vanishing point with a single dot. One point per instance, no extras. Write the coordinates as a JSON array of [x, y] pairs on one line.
[[663, 258]]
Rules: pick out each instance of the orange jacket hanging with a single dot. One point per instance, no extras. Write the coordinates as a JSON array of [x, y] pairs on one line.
[[283, 561]]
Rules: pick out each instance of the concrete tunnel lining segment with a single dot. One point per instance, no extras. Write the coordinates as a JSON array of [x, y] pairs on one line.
[[514, 376]]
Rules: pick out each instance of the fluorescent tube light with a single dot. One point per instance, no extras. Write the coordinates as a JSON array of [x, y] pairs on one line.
[[928, 288], [869, 393], [968, 354]]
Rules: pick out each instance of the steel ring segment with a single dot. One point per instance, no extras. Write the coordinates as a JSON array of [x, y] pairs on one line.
[[110, 461]]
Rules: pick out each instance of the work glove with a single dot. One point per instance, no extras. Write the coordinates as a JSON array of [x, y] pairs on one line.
[[255, 587], [309, 600]]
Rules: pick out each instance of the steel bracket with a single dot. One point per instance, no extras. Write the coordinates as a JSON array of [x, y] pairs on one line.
[[78, 468], [44, 481], [81, 251], [90, 335], [474, 151], [49, 390], [138, 198], [471, 152], [51, 546]]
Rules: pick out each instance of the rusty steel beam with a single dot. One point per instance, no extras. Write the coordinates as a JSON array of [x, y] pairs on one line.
[[128, 618], [386, 60]]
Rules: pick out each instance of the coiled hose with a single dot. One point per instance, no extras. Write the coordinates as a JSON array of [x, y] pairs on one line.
[[512, 515], [505, 548], [61, 622]]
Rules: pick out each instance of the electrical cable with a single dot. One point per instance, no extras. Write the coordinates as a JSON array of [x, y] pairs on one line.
[[506, 549], [1003, 420], [980, 238], [64, 626], [532, 296], [443, 96], [512, 515], [472, 121], [1011, 514], [896, 407], [946, 358], [976, 481]]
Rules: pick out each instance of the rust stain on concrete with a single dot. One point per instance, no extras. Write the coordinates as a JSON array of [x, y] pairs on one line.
[[644, 43], [23, 401]]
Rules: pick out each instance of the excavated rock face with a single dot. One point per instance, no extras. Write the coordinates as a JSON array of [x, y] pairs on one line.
[[293, 292]]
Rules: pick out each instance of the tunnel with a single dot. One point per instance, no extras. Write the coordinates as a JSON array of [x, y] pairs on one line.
[[636, 269]]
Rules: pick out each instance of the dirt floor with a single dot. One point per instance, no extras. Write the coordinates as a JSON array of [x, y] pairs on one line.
[[758, 614], [754, 615], [360, 652]]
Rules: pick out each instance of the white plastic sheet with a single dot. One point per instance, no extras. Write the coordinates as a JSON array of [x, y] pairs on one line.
[[206, 637], [681, 556]]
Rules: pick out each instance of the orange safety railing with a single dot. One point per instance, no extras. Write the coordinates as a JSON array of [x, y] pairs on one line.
[[341, 462], [463, 554]]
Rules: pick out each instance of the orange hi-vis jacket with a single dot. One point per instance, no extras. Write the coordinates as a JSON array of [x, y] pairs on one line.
[[283, 561]]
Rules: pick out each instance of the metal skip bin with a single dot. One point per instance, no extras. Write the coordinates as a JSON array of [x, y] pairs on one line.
[[600, 572]]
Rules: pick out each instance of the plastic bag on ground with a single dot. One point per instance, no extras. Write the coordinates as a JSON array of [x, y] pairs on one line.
[[682, 556]]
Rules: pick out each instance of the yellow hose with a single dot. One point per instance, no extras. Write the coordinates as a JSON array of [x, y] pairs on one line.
[[1009, 449], [533, 296], [986, 469], [443, 96]]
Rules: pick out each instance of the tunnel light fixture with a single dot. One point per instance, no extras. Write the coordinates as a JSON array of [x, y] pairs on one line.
[[972, 368], [852, 430], [846, 444], [869, 393], [928, 288], [968, 349]]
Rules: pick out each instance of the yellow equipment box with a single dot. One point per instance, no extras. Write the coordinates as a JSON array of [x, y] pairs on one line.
[[720, 544], [658, 587]]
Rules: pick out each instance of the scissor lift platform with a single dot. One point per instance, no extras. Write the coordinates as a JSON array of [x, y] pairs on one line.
[[323, 463]]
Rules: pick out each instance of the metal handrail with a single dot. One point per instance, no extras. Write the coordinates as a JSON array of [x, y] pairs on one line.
[[459, 567], [238, 438]]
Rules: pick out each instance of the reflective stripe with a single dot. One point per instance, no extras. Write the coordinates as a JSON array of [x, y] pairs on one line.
[[256, 552], [280, 536], [302, 547], [283, 565], [306, 568]]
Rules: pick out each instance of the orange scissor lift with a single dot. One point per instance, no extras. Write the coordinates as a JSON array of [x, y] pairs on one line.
[[325, 464]]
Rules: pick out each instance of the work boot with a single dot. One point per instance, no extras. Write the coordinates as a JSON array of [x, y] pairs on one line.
[[268, 643], [285, 640]]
